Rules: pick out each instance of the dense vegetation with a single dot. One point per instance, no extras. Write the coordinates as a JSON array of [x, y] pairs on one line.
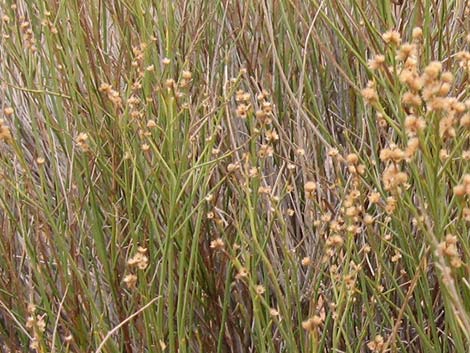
[[234, 176]]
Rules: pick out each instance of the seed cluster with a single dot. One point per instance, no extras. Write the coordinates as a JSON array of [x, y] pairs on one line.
[[155, 185]]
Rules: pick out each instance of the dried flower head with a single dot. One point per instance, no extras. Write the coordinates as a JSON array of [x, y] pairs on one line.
[[414, 125], [81, 141], [370, 93], [335, 241], [432, 71], [130, 280], [273, 312], [242, 110], [312, 323], [465, 120], [392, 37], [446, 127], [377, 344], [242, 273], [393, 177], [448, 249], [352, 159], [139, 260], [306, 261], [5, 134], [374, 197], [260, 289], [217, 244], [8, 111], [376, 62], [310, 188], [187, 75], [232, 167], [405, 51], [417, 34]]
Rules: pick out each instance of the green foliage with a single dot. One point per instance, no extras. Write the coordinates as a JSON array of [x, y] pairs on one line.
[[234, 176]]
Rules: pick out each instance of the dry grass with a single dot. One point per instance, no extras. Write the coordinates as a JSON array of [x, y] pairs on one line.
[[234, 176]]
